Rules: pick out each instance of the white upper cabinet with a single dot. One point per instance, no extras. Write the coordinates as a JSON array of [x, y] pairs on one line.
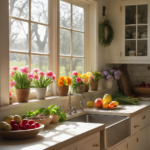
[[131, 23], [135, 30]]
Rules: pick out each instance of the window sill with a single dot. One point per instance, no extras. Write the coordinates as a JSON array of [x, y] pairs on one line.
[[53, 98]]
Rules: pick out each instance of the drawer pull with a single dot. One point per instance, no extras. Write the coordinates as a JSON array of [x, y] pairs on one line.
[[127, 146], [137, 139], [96, 145], [136, 126], [144, 117]]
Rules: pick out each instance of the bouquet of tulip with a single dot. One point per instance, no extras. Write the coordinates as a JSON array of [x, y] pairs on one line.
[[64, 81], [85, 78], [20, 78], [94, 76], [63, 85], [111, 74], [40, 80]]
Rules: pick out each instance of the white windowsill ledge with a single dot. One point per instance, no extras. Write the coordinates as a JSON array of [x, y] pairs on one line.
[[53, 99]]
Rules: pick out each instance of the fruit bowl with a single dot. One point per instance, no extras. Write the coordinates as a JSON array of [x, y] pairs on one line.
[[45, 121], [142, 92], [21, 134]]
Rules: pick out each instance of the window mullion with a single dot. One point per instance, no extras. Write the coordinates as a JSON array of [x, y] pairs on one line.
[[71, 44], [30, 35]]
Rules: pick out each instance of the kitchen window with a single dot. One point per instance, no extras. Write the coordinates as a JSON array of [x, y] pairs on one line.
[[29, 34], [72, 38]]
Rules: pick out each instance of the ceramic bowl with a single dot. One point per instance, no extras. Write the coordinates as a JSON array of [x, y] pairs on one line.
[[45, 121], [142, 92], [21, 134]]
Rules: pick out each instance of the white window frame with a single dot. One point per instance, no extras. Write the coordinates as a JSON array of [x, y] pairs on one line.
[[85, 7], [91, 46]]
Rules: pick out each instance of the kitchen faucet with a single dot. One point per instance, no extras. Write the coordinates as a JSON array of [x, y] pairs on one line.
[[73, 109]]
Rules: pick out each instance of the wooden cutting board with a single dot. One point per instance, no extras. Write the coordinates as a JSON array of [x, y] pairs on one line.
[[125, 81]]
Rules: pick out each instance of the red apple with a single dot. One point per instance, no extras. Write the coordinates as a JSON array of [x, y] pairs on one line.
[[15, 127], [98, 102], [24, 121], [138, 86], [37, 125], [31, 122], [33, 126], [143, 83], [28, 126], [12, 122]]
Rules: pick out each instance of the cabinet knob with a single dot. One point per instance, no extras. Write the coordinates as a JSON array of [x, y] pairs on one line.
[[136, 126], [144, 117], [137, 139], [95, 145]]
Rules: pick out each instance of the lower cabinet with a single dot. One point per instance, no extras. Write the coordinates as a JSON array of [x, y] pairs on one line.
[[143, 138], [122, 146], [90, 143], [133, 142]]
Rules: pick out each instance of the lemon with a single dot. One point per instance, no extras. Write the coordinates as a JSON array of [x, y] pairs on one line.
[[107, 98], [115, 103], [90, 104]]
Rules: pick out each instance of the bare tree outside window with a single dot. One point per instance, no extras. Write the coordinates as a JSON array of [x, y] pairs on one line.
[[71, 38]]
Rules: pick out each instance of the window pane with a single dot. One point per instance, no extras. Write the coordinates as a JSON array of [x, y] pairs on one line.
[[78, 65], [18, 37], [18, 60], [65, 66], [78, 44], [19, 8], [65, 42], [40, 62], [39, 39], [39, 11], [65, 15], [78, 18]]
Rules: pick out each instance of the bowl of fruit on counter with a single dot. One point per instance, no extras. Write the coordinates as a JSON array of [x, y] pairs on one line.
[[143, 89], [13, 127]]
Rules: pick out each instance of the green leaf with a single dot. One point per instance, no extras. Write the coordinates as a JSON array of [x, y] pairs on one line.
[[41, 110]]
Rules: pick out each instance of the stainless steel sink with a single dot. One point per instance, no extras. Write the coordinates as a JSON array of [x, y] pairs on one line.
[[117, 128]]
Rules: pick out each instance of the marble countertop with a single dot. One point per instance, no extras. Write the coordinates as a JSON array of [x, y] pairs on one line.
[[124, 110], [54, 137], [57, 136]]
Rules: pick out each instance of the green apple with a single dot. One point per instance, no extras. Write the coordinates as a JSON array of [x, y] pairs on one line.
[[2, 125], [7, 119], [8, 127], [17, 118]]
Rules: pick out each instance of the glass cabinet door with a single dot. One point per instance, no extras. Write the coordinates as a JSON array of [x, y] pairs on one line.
[[136, 30]]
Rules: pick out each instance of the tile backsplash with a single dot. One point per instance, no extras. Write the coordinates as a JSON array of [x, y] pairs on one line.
[[139, 73]]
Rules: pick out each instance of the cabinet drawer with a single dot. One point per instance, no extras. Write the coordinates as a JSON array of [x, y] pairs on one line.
[[140, 120]]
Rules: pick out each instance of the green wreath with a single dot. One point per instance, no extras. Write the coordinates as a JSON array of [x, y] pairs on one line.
[[106, 33]]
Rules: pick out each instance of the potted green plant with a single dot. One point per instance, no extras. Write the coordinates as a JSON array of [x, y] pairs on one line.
[[41, 81], [21, 79], [77, 83], [94, 77]]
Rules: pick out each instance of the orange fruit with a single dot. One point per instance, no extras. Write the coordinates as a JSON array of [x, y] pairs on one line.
[[111, 105], [105, 105]]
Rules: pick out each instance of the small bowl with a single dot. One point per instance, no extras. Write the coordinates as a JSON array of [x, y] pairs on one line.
[[21, 134], [45, 121], [142, 92]]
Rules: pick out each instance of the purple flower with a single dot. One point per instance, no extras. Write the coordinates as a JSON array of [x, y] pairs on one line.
[[105, 73], [117, 77], [109, 78], [112, 71], [118, 72]]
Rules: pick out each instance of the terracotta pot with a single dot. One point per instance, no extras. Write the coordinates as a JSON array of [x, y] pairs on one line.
[[22, 95], [40, 93], [62, 90], [55, 118], [94, 85], [81, 89], [86, 88]]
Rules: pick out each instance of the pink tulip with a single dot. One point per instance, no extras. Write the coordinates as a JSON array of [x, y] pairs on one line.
[[12, 73], [12, 83], [54, 77], [15, 68], [49, 74], [36, 77], [78, 79], [24, 69], [75, 73], [92, 76], [41, 73], [35, 70], [29, 75]]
